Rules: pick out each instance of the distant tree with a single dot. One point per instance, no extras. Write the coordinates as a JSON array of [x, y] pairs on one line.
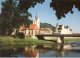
[[47, 25]]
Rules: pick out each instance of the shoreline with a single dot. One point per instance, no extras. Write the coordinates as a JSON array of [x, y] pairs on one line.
[[9, 40]]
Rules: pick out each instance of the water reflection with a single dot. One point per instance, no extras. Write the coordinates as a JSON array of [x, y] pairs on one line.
[[7, 53], [31, 52], [38, 51], [59, 51]]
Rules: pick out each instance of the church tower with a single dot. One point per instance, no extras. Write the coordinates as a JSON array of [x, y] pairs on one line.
[[57, 26], [37, 21]]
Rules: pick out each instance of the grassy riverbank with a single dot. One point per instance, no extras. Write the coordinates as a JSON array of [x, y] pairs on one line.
[[7, 40], [68, 40]]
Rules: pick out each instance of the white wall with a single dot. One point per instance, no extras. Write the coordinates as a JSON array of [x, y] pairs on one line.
[[65, 31]]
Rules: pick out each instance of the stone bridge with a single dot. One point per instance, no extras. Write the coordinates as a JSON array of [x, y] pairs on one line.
[[60, 36]]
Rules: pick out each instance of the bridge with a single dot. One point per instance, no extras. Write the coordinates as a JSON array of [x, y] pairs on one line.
[[60, 36]]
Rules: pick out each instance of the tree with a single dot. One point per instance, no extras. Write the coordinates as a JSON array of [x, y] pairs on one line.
[[26, 4], [62, 7], [12, 17], [6, 15], [46, 25]]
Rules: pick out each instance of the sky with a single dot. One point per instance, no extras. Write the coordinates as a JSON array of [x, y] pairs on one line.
[[47, 15]]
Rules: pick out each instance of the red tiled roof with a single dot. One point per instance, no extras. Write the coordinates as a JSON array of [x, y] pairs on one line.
[[23, 28], [33, 26]]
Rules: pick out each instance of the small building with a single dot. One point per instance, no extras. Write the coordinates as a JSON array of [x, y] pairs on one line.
[[22, 29], [61, 29]]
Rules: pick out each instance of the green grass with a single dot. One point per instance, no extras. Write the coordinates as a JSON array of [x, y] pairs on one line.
[[68, 40], [72, 40], [7, 40]]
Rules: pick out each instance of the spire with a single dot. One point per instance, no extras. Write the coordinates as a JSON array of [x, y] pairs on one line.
[[57, 26], [36, 17], [57, 23], [36, 14], [37, 20]]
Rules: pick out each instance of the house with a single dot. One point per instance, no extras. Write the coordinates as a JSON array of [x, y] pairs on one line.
[[61, 29], [22, 29]]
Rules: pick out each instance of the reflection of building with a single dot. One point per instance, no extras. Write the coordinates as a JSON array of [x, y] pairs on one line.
[[61, 29], [31, 52]]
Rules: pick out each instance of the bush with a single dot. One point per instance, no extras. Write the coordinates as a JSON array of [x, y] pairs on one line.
[[20, 35]]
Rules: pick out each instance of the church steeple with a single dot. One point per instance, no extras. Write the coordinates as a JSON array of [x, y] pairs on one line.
[[37, 20], [57, 24], [36, 17]]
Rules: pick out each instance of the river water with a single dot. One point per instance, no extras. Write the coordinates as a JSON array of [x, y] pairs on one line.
[[38, 51]]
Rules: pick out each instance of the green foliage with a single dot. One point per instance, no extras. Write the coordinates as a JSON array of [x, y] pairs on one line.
[[20, 35], [26, 4], [6, 40], [12, 17], [46, 25], [63, 7]]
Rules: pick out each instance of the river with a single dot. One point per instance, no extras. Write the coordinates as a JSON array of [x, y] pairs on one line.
[[38, 51]]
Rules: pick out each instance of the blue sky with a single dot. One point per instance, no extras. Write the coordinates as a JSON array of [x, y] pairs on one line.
[[47, 15]]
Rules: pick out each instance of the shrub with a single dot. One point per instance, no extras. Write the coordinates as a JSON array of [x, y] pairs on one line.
[[20, 35]]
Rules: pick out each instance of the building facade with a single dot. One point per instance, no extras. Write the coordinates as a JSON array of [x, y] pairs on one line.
[[61, 29]]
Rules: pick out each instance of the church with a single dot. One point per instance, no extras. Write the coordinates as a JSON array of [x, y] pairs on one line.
[[33, 29]]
